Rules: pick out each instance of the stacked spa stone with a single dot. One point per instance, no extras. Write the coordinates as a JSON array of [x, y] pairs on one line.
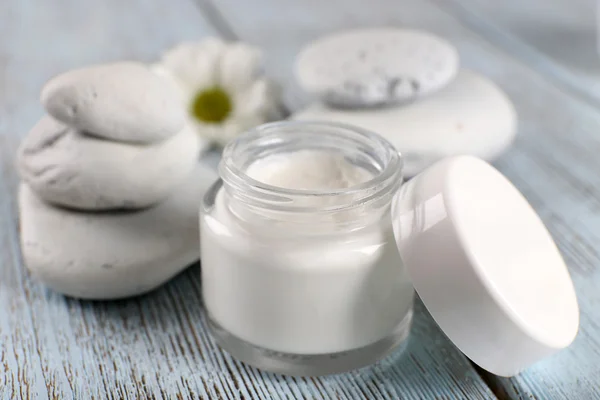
[[111, 183], [408, 86]]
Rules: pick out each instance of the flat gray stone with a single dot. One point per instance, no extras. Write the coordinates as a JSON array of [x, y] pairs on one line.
[[112, 255], [470, 116], [376, 67], [71, 169], [123, 101]]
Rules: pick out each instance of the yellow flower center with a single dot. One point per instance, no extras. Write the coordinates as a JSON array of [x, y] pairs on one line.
[[211, 105]]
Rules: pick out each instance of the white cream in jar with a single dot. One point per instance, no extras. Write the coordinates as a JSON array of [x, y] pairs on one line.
[[308, 239], [300, 270]]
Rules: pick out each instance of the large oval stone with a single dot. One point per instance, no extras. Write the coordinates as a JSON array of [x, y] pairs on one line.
[[470, 116], [67, 168], [376, 67], [123, 101], [112, 255]]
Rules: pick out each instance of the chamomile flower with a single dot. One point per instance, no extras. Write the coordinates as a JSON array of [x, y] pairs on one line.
[[222, 85]]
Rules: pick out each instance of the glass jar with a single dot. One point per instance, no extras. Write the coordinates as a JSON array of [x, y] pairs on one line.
[[311, 282], [305, 282]]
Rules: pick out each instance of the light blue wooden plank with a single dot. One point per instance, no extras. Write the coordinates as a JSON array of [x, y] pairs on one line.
[[554, 161], [557, 38]]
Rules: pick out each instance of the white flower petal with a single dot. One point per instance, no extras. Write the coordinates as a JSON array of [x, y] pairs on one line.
[[247, 123], [229, 131], [166, 74], [240, 65], [159, 70], [211, 44], [224, 132], [256, 100], [179, 61], [208, 61], [195, 64], [205, 131]]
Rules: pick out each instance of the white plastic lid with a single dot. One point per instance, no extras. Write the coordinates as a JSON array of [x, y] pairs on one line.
[[484, 265]]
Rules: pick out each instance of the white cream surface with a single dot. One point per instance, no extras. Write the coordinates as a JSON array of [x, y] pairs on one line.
[[308, 170], [303, 293]]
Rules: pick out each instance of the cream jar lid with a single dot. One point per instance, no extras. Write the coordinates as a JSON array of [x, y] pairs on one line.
[[485, 265]]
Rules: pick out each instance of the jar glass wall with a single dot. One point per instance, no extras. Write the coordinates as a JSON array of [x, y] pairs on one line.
[[305, 282]]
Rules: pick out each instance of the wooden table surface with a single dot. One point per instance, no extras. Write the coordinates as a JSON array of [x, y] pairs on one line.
[[543, 54]]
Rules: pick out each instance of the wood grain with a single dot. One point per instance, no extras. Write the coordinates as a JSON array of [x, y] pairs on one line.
[[554, 161]]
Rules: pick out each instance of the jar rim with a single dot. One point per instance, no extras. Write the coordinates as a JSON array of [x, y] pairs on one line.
[[230, 171]]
